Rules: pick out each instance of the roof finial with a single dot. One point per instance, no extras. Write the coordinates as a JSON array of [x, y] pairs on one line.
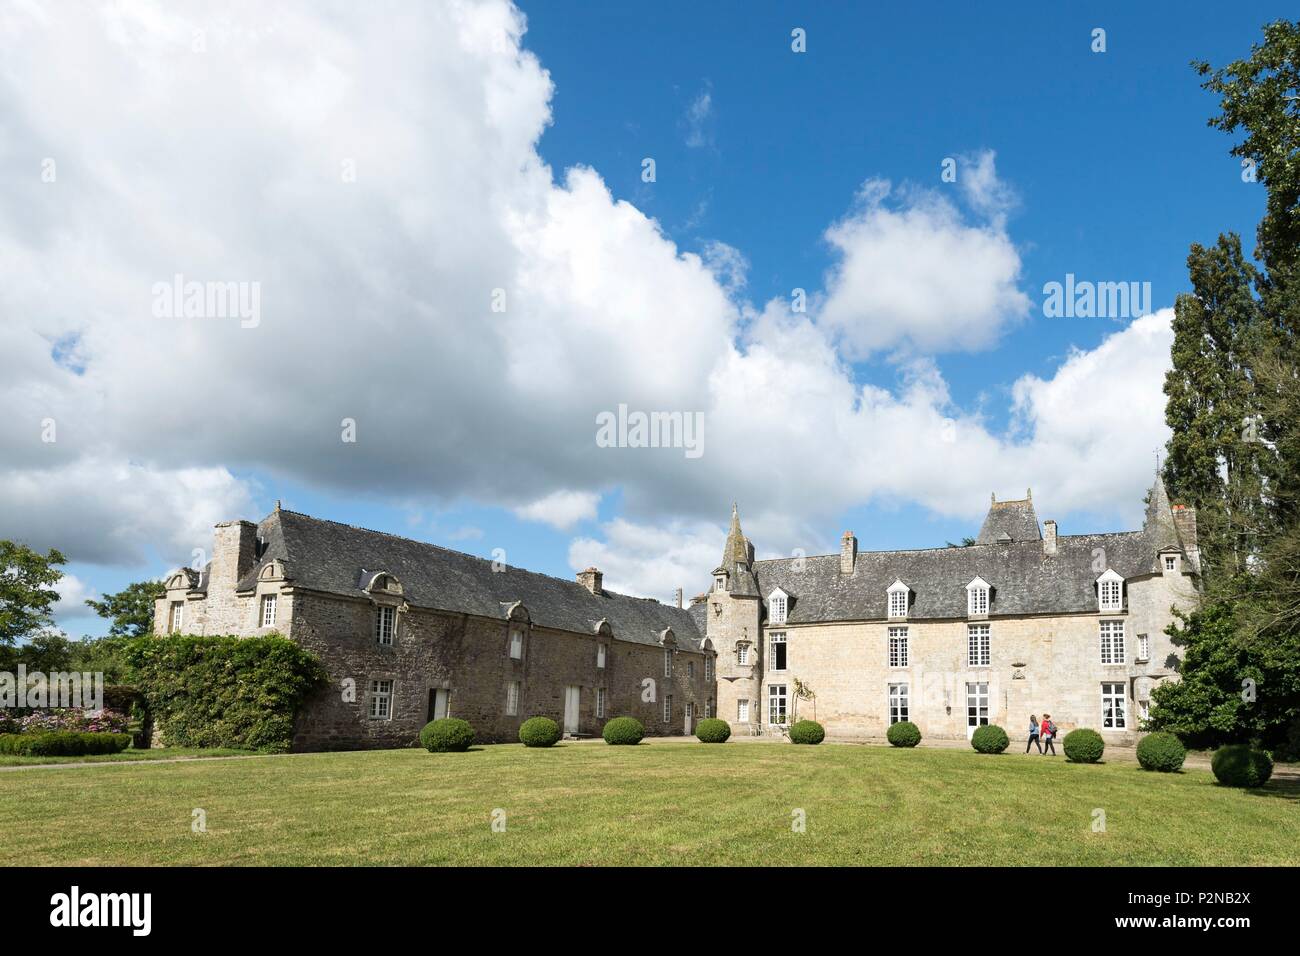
[[1029, 494], [993, 497], [277, 504]]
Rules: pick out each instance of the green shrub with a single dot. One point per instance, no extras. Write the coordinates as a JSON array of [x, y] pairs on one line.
[[224, 691], [1083, 746], [1240, 765], [623, 731], [903, 734], [539, 732], [63, 743], [1162, 752], [447, 735], [989, 739], [807, 732], [712, 730]]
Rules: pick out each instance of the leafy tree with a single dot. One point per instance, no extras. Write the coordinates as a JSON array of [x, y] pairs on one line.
[[131, 609], [27, 595]]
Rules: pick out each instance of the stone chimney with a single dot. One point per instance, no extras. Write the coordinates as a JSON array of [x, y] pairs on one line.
[[590, 579], [848, 552], [1185, 522], [234, 552], [1049, 536], [677, 597]]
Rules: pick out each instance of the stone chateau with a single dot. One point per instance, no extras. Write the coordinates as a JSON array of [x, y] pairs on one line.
[[1023, 621]]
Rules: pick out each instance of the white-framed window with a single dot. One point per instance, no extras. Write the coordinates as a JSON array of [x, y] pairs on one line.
[[897, 703], [600, 655], [600, 702], [1112, 642], [1171, 562], [977, 704], [898, 647], [720, 583], [776, 606], [668, 708], [776, 701], [668, 662], [512, 698], [776, 642], [977, 641], [177, 617], [268, 610], [1144, 647], [516, 644], [898, 599], [742, 711], [977, 598], [384, 618], [381, 700], [708, 668], [1113, 701], [1110, 592], [742, 654]]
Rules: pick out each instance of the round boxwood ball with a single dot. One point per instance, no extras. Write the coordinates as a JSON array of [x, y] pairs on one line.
[[446, 735], [539, 732], [1083, 746], [712, 730], [1162, 752], [903, 734], [989, 739], [623, 731], [1240, 765], [807, 732]]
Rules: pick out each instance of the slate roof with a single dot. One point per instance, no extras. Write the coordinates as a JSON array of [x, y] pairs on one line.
[[1024, 579], [338, 559]]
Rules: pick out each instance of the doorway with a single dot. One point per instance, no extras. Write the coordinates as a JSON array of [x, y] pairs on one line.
[[439, 699], [572, 703], [977, 707]]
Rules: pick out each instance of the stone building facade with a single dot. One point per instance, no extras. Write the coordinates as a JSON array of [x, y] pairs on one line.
[[409, 631], [1024, 621]]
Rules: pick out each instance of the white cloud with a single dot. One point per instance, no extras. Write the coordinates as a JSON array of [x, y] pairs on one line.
[[561, 509], [697, 119], [916, 275], [982, 189], [377, 297], [73, 594]]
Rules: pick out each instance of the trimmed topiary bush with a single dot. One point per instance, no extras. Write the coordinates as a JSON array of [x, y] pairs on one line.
[[539, 732], [1241, 765], [807, 732], [63, 743], [1161, 752], [712, 730], [1083, 746], [903, 734], [623, 732], [989, 739], [450, 734]]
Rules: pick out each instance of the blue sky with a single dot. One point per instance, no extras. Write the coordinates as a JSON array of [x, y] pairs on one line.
[[1112, 168]]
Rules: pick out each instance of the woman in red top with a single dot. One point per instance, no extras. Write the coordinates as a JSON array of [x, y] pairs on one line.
[[1047, 733]]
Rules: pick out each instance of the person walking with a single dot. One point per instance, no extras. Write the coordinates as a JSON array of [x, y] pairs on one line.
[[1047, 731], [1033, 734]]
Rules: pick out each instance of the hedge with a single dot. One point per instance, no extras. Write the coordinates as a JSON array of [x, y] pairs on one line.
[[1241, 765], [1083, 746], [807, 732], [713, 730], [623, 731], [1161, 752], [903, 734], [539, 732], [63, 743], [224, 691], [447, 735], [989, 739]]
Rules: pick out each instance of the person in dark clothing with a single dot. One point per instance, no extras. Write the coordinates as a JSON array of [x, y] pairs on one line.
[[1033, 734], [1047, 731]]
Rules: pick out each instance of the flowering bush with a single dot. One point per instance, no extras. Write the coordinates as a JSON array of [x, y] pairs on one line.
[[64, 718]]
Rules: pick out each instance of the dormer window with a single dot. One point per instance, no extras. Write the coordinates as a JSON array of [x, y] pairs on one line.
[[898, 592], [1171, 562], [720, 582], [385, 621], [777, 603], [977, 598], [1110, 592]]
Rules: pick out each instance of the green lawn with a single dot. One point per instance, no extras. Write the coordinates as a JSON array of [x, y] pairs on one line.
[[659, 803], [157, 753]]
